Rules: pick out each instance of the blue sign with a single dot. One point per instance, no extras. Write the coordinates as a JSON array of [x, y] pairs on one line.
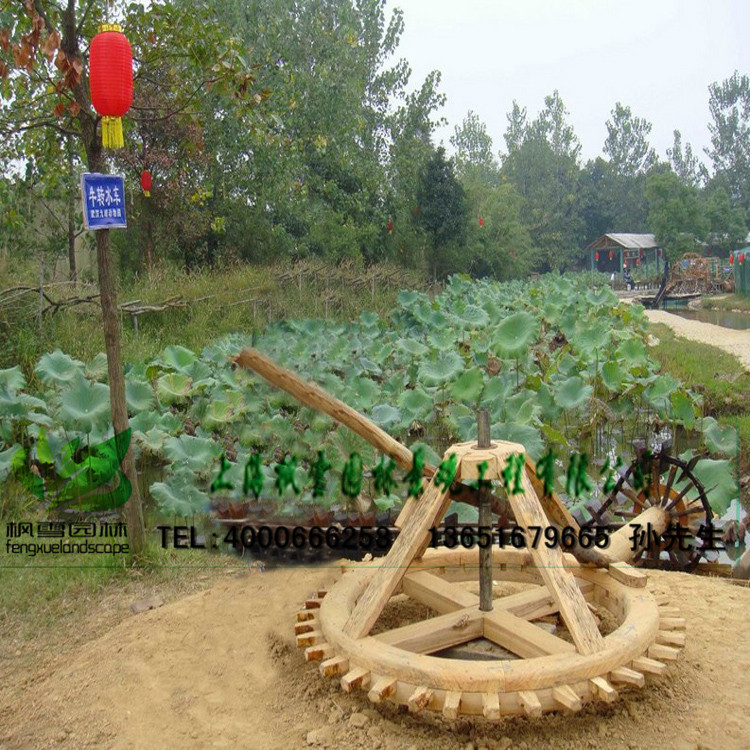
[[103, 201]]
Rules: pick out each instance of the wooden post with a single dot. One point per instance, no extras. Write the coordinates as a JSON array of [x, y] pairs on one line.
[[485, 520]]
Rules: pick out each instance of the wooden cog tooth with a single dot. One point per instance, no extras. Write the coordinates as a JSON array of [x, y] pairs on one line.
[[659, 651], [318, 651], [452, 704], [305, 627], [354, 678], [665, 611], [530, 702], [312, 603], [305, 614], [322, 593], [661, 599], [671, 638], [672, 623], [309, 639], [649, 666], [382, 688], [419, 699], [628, 676], [567, 697], [602, 689], [334, 666], [491, 706], [628, 575]]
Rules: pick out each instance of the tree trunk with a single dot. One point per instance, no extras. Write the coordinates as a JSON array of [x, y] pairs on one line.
[[71, 215], [133, 507], [111, 326]]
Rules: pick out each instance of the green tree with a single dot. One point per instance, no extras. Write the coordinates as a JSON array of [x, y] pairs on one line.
[[626, 144], [676, 214], [475, 160], [544, 169], [729, 104], [444, 214], [684, 162], [726, 225]]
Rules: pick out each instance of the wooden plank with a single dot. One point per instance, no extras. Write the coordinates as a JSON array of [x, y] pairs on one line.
[[559, 581], [321, 650], [603, 690], [388, 576], [530, 702], [419, 699], [334, 666], [628, 676], [649, 666], [672, 623], [382, 689], [522, 637], [670, 638], [452, 704], [437, 633], [660, 651], [628, 575], [567, 697], [437, 593], [355, 678], [309, 639], [491, 706]]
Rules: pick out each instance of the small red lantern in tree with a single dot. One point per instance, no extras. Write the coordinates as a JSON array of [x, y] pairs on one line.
[[731, 259], [390, 226], [596, 256], [146, 182], [742, 257], [611, 254], [638, 261], [111, 81], [481, 221]]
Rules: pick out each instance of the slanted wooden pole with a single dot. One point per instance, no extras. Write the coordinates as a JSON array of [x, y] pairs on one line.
[[485, 519]]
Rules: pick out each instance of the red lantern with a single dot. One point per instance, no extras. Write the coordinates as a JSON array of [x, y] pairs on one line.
[[638, 261], [596, 256], [742, 257], [611, 254], [481, 221], [625, 264], [146, 182], [111, 81], [731, 259], [390, 227]]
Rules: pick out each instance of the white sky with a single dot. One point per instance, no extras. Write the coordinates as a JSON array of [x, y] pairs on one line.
[[657, 56]]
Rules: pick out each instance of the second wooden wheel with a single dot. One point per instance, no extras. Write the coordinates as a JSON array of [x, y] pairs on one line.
[[404, 665]]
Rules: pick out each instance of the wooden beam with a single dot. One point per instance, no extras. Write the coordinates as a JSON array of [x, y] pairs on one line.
[[522, 637], [437, 633], [452, 704], [437, 593], [559, 581], [530, 703], [387, 577]]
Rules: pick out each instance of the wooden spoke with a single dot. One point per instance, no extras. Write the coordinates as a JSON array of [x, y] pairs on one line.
[[437, 593], [666, 494], [522, 637], [439, 633]]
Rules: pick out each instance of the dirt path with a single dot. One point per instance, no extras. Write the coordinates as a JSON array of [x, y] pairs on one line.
[[219, 669], [730, 340]]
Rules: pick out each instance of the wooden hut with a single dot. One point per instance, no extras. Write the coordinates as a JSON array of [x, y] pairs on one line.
[[613, 253]]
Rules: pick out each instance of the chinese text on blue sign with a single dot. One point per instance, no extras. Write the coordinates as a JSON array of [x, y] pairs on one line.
[[103, 201]]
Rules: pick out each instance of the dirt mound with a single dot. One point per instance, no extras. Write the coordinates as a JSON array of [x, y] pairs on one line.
[[220, 669]]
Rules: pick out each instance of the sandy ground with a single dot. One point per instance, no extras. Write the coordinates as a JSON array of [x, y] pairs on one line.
[[730, 340], [219, 669]]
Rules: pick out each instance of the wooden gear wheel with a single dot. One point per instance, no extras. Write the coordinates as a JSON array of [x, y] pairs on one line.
[[401, 664], [648, 482]]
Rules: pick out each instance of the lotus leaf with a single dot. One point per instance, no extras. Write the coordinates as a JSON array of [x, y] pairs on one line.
[[58, 369], [173, 388], [446, 368]]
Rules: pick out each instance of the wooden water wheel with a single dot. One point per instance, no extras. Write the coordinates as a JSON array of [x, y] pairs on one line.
[[651, 481], [550, 672], [404, 665]]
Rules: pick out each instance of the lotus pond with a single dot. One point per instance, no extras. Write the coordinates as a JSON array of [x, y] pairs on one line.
[[558, 362]]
